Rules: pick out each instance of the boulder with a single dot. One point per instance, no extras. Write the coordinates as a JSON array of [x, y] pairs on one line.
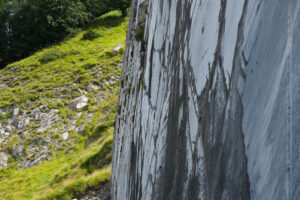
[[47, 119], [117, 48], [3, 132], [17, 151], [29, 163], [79, 102], [3, 160], [16, 112], [120, 65], [92, 87], [65, 135], [2, 86]]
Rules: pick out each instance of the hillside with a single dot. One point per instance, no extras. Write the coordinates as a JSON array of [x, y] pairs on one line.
[[57, 111]]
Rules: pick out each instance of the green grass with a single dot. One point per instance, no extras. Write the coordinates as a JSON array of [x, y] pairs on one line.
[[62, 64], [52, 77], [58, 178]]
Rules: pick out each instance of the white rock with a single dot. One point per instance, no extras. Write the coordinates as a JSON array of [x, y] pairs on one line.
[[28, 163], [2, 86], [117, 48], [8, 128], [79, 102], [5, 134], [47, 120], [98, 75], [92, 87], [65, 135], [17, 151], [3, 160], [82, 91], [27, 121], [16, 111], [120, 65]]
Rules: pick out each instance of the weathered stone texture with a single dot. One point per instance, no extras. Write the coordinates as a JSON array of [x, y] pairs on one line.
[[209, 104]]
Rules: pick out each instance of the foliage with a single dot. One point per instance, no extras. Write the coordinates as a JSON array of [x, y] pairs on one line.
[[96, 7], [4, 16], [34, 24], [121, 5], [90, 35], [56, 54], [29, 25], [61, 178], [139, 35], [50, 70], [43, 79]]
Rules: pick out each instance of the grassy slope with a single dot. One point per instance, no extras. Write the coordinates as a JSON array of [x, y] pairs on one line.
[[33, 79]]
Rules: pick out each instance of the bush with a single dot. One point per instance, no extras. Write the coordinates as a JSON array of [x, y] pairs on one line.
[[31, 97], [54, 55], [51, 56], [91, 35], [88, 66], [139, 35]]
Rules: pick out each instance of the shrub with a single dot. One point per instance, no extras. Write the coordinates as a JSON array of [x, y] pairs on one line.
[[2, 116], [31, 97], [51, 56], [139, 35], [66, 113], [90, 35], [88, 66], [54, 55]]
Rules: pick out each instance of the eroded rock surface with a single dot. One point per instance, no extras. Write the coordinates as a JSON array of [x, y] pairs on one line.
[[3, 160], [79, 102], [209, 104]]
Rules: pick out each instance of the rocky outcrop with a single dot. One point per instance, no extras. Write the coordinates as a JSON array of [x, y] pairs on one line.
[[79, 102], [2, 86], [33, 135], [3, 160], [117, 48], [209, 101], [4, 133], [102, 192]]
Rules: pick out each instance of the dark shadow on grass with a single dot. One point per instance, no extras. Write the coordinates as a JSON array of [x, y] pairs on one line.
[[98, 132], [99, 159], [107, 22]]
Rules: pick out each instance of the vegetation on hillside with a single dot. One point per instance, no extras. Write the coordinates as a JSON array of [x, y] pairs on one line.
[[50, 79], [29, 25]]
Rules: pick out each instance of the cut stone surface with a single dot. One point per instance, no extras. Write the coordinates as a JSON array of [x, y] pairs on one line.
[[209, 104]]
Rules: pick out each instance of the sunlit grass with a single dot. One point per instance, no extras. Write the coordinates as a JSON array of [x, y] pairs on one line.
[[48, 75], [56, 176]]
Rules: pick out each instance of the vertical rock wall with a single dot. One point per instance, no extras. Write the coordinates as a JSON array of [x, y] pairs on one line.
[[208, 107]]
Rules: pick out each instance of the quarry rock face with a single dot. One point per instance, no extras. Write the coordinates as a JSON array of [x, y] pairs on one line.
[[209, 105]]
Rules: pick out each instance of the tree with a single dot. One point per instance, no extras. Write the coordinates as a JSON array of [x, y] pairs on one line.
[[37, 23], [96, 7], [121, 5], [28, 25], [4, 18]]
